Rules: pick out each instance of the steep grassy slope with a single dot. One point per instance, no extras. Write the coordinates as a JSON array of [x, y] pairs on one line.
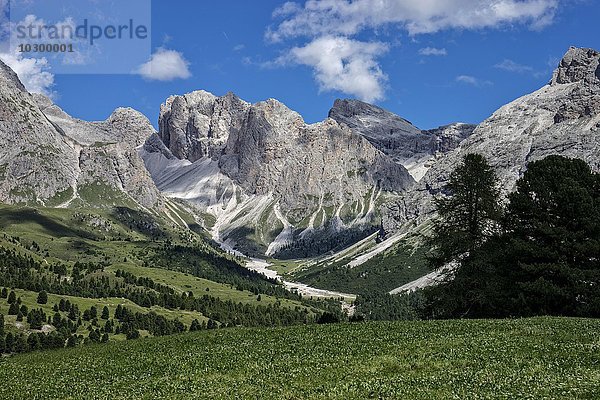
[[503, 359]]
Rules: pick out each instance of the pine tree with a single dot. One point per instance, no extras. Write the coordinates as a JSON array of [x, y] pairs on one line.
[[469, 214], [12, 297], [13, 309], [554, 221], [195, 326], [1, 326], [42, 297], [4, 293], [73, 312], [105, 313]]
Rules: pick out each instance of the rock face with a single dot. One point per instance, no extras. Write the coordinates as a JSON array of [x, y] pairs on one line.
[[406, 144], [270, 180], [52, 159], [393, 135], [560, 118]]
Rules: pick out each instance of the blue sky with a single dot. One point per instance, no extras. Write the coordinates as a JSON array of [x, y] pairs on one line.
[[433, 63]]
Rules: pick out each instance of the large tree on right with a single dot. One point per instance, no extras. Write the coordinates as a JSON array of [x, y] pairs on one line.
[[553, 223]]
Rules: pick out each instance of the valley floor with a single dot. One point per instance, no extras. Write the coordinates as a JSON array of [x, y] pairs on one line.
[[527, 358]]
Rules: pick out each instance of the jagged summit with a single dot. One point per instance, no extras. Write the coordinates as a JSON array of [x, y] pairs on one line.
[[50, 158], [348, 108], [578, 64], [561, 118], [270, 179], [395, 136], [9, 77]]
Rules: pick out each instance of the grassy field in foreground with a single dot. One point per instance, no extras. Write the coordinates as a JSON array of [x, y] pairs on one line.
[[508, 359]]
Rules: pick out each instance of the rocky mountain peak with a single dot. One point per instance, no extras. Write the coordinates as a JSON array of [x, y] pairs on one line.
[[345, 110], [578, 64], [134, 127], [9, 78]]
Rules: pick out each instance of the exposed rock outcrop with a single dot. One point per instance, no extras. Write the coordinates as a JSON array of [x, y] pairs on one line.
[[52, 159], [560, 118], [406, 144], [269, 178]]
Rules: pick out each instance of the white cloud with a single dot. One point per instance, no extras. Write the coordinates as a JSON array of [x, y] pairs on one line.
[[473, 81], [327, 21], [511, 66], [432, 51], [345, 17], [32, 72], [165, 65], [239, 47], [343, 64]]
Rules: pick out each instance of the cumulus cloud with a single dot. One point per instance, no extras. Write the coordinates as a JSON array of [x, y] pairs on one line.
[[34, 73], [345, 17], [473, 81], [324, 22], [432, 51], [165, 65], [343, 64]]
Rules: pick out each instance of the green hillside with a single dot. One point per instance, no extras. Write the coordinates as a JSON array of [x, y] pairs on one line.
[[478, 359], [154, 278]]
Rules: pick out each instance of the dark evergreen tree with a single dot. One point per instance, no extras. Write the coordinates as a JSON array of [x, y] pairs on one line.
[[195, 326], [3, 293], [12, 297], [470, 212], [554, 223], [13, 309], [105, 313], [42, 297]]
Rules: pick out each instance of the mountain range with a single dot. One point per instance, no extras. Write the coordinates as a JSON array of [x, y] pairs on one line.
[[261, 181]]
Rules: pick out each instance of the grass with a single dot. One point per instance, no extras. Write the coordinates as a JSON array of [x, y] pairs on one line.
[[550, 358], [62, 236], [393, 268], [182, 282]]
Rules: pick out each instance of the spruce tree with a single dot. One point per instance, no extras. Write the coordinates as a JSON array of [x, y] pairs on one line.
[[12, 297], [195, 326], [554, 220], [105, 313], [13, 309], [470, 212], [42, 297]]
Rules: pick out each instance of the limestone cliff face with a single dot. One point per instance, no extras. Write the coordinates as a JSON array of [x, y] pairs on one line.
[[49, 158], [560, 118], [263, 165], [406, 144], [33, 165]]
